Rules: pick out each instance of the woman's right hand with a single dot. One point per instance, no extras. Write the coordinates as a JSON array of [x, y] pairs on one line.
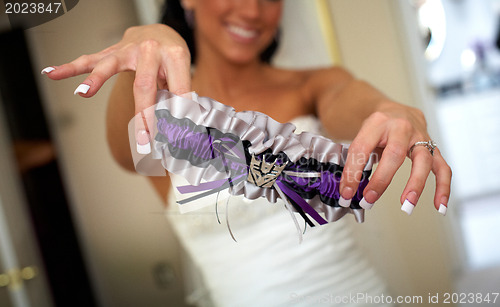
[[158, 55]]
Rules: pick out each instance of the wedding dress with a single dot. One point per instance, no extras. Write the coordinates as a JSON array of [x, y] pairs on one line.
[[266, 265]]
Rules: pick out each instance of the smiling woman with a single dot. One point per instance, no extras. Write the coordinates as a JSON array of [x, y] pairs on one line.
[[266, 267], [182, 21]]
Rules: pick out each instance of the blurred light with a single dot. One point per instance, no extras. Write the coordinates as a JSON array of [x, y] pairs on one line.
[[432, 20], [468, 59]]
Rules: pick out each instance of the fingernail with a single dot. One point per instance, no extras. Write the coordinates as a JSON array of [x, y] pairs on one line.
[[47, 70], [344, 202], [412, 197], [144, 149], [347, 192], [444, 201], [82, 89], [365, 205], [369, 199], [407, 207], [443, 209], [143, 144]]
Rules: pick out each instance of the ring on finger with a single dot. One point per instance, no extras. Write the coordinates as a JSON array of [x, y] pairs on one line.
[[430, 145]]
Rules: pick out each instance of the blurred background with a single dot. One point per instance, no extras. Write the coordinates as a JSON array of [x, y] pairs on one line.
[[76, 230]]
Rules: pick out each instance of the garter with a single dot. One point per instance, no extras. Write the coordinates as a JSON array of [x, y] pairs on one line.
[[244, 153]]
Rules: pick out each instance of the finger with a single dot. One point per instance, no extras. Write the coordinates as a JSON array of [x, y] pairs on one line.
[[443, 174], [142, 133], [392, 158], [421, 167], [145, 88], [145, 83], [104, 70], [358, 155], [82, 65], [178, 69]]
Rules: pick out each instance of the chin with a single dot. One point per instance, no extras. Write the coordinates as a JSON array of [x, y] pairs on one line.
[[243, 56]]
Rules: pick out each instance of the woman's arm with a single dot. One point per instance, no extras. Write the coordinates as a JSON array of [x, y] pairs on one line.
[[156, 53], [352, 109], [147, 58], [120, 111]]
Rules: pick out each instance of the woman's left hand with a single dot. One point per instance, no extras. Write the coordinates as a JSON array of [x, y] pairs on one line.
[[391, 132]]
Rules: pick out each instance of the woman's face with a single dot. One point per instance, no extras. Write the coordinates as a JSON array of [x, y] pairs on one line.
[[239, 30]]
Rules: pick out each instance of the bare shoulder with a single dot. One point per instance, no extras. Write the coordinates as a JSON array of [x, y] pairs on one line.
[[324, 79]]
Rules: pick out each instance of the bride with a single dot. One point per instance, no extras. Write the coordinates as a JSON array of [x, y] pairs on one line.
[[221, 49]]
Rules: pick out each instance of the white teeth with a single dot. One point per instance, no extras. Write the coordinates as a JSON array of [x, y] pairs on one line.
[[242, 32]]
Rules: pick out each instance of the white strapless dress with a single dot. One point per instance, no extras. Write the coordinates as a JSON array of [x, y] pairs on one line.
[[267, 266]]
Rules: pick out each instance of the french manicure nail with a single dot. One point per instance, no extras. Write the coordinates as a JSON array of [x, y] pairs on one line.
[[344, 202], [82, 89], [407, 207], [47, 70], [144, 149], [365, 205], [143, 144], [412, 197], [372, 197], [443, 209]]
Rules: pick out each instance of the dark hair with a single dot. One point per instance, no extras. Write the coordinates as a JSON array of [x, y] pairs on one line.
[[173, 15], [498, 35]]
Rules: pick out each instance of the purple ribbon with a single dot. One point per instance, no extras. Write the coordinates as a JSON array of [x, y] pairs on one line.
[[301, 202]]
